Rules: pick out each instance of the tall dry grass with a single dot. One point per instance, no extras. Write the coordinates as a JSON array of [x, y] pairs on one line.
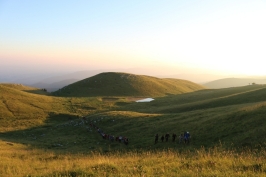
[[20, 160]]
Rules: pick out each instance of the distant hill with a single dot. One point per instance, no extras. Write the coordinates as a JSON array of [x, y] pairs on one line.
[[195, 77], [124, 84], [233, 82]]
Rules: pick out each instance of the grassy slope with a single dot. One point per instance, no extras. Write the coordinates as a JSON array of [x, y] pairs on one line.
[[229, 115], [123, 84], [203, 99], [24, 107], [234, 115]]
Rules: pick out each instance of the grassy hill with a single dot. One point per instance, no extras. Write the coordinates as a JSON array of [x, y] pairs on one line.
[[233, 82], [204, 99], [24, 107], [201, 112], [123, 84], [47, 134], [233, 115]]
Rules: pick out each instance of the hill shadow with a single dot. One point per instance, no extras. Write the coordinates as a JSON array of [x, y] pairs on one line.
[[65, 133], [53, 135]]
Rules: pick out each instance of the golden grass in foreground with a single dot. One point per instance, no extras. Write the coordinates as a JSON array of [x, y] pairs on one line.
[[19, 160]]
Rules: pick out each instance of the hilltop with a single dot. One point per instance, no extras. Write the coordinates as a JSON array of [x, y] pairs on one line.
[[124, 84]]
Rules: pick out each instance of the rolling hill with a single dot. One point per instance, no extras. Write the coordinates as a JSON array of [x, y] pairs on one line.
[[233, 82], [38, 129], [124, 84], [227, 115], [24, 107]]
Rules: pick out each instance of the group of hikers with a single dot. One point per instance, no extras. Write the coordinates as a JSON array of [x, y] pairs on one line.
[[183, 138], [119, 139]]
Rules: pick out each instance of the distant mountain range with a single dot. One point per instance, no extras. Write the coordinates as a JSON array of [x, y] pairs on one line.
[[233, 82]]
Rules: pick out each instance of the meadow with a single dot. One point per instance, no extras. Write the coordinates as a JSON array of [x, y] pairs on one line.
[[21, 160], [44, 134]]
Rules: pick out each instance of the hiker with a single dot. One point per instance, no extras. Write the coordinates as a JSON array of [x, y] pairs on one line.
[[162, 138], [156, 138], [173, 137], [126, 141], [187, 137], [120, 139], [112, 138], [181, 137], [167, 135], [103, 135]]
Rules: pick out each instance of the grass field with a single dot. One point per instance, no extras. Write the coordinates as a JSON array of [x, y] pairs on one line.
[[45, 135], [22, 160]]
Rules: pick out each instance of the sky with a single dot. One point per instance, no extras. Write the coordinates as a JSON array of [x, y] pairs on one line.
[[168, 37]]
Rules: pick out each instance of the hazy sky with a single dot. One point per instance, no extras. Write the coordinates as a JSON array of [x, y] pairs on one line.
[[176, 36]]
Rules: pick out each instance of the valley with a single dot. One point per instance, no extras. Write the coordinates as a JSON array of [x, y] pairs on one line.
[[40, 128]]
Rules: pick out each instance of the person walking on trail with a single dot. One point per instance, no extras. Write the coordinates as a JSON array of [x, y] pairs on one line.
[[126, 141], [181, 138], [173, 137], [156, 138], [187, 137], [167, 135], [162, 138]]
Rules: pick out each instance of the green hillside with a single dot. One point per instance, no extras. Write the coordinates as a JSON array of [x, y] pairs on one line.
[[23, 107], [203, 99], [123, 84], [45, 135], [231, 115]]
